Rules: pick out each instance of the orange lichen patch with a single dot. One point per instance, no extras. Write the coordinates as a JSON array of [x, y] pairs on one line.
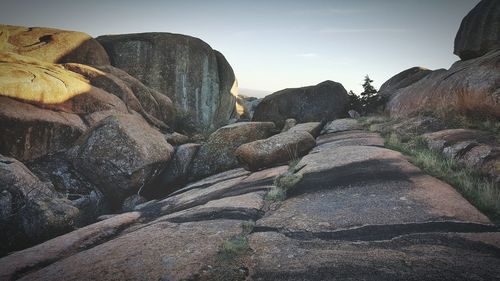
[[29, 79], [47, 44]]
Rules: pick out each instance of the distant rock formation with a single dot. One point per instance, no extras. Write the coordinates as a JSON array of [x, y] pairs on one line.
[[403, 79], [327, 100], [479, 32], [469, 87], [52, 45], [198, 79]]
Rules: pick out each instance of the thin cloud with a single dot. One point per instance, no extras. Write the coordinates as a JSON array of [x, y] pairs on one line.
[[361, 30], [332, 11], [306, 55]]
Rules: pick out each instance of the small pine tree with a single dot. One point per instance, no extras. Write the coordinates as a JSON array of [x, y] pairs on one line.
[[355, 102], [370, 99]]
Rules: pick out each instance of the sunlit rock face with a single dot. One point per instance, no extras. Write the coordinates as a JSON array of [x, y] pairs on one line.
[[479, 32], [30, 79], [198, 79], [52, 45]]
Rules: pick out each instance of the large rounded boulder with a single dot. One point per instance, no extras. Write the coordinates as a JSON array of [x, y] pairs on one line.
[[276, 150], [196, 78], [52, 45], [325, 101], [479, 32], [44, 108], [403, 79], [120, 155], [468, 87]]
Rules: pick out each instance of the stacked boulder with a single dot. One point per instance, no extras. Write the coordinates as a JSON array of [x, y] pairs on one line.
[[89, 134]]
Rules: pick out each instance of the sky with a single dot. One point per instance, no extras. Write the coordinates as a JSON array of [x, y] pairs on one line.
[[276, 44]]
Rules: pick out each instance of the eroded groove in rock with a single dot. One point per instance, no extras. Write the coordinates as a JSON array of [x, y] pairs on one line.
[[384, 232]]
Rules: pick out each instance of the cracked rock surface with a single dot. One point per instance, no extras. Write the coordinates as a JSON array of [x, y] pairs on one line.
[[360, 212]]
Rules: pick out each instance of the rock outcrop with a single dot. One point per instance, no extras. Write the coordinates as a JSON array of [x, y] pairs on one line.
[[468, 87], [403, 79], [339, 125], [29, 132], [276, 150], [360, 212], [217, 154], [34, 211], [52, 45], [478, 33], [325, 101], [120, 155], [196, 78]]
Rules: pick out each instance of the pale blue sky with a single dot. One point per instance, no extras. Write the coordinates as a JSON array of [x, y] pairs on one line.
[[278, 44]]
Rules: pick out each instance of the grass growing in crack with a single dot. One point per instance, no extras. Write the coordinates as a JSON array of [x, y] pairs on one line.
[[471, 183], [285, 182], [247, 226], [233, 247]]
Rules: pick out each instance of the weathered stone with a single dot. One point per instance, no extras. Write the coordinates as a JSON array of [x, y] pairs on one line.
[[14, 265], [478, 33], [52, 45], [231, 174], [58, 170], [175, 174], [325, 101], [349, 186], [242, 207], [415, 126], [167, 252], [278, 256], [276, 150], [156, 108], [217, 154], [340, 125], [131, 202], [36, 213], [457, 150], [439, 140], [197, 79], [468, 88], [177, 139], [403, 79], [245, 106], [201, 194], [353, 114], [347, 138], [29, 132], [289, 123], [120, 155], [313, 128]]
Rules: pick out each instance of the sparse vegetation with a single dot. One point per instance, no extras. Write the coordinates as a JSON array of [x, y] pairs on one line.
[[285, 182], [234, 247], [247, 226], [471, 183], [369, 101]]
